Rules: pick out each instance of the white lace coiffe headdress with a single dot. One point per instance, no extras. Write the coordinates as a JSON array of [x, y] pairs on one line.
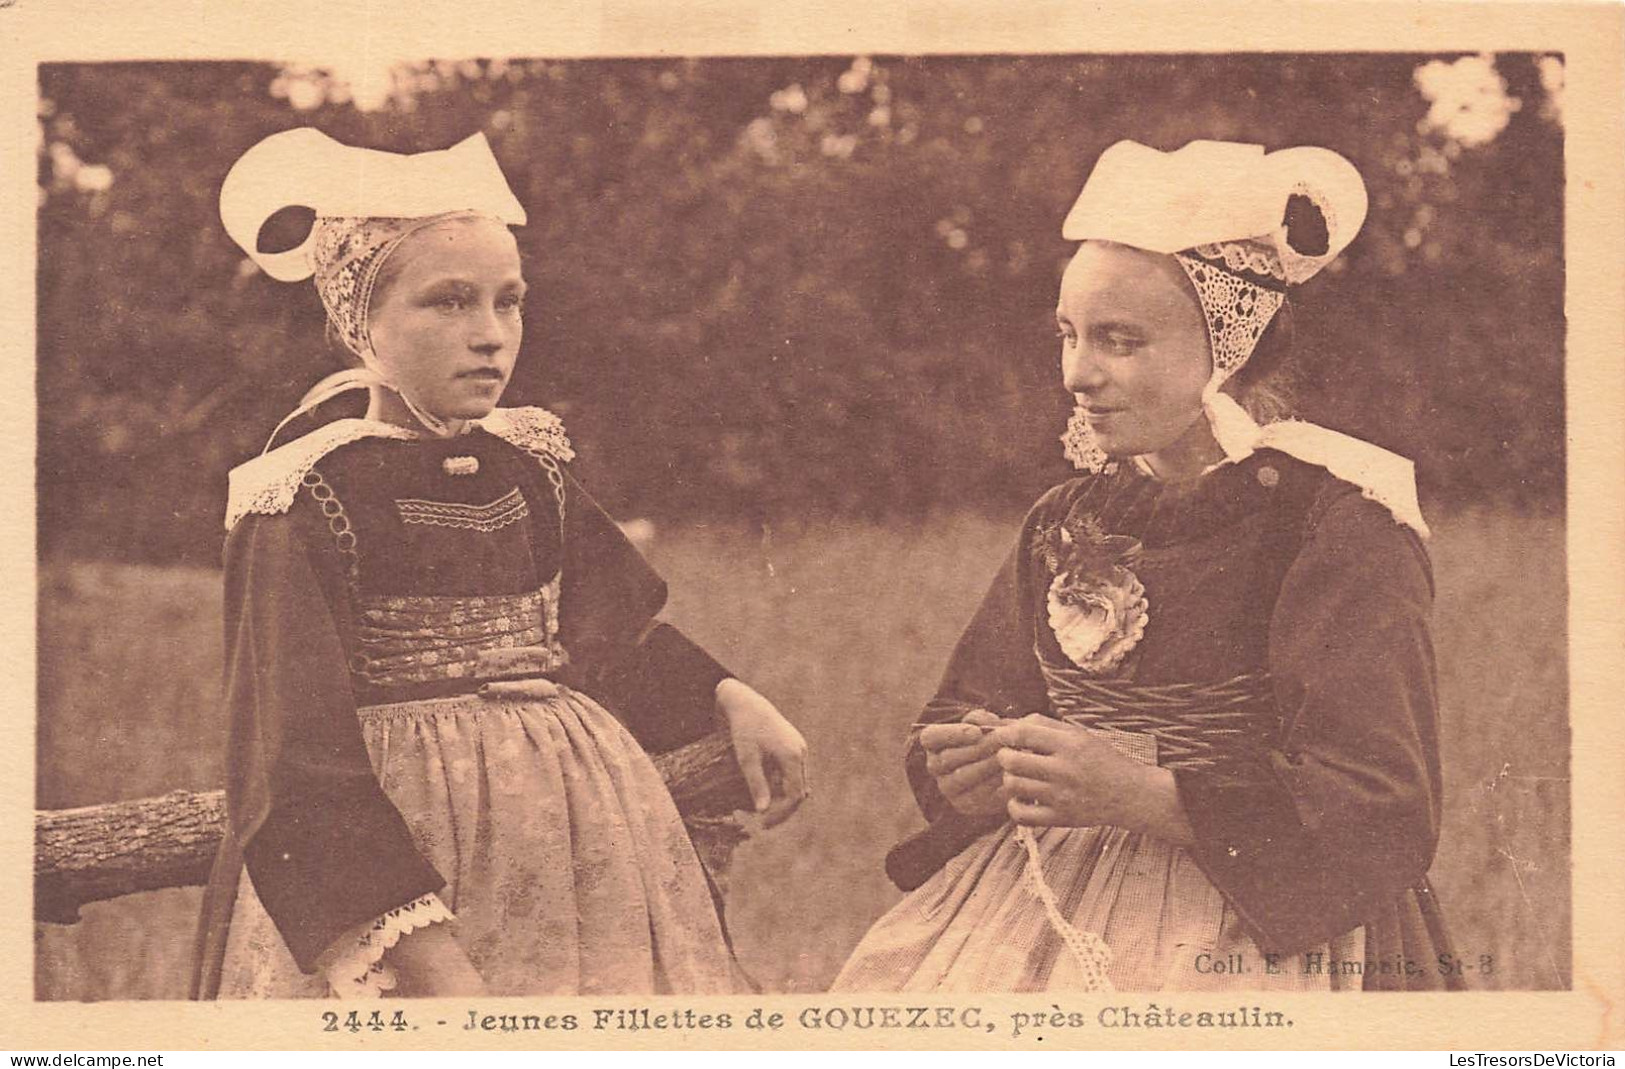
[[1244, 225], [366, 204]]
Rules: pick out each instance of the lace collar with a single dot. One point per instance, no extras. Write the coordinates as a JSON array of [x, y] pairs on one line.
[[269, 483]]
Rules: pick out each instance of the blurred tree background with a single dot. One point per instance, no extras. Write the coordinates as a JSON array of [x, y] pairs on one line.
[[811, 286]]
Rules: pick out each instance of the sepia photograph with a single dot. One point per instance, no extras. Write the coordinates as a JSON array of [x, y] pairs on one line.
[[836, 525]]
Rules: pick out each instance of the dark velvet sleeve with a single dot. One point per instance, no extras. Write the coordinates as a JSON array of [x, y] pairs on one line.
[[993, 667], [1346, 814], [648, 673], [323, 844]]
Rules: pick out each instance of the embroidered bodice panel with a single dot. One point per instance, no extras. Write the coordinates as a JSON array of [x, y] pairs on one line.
[[451, 551], [1211, 556], [1209, 565]]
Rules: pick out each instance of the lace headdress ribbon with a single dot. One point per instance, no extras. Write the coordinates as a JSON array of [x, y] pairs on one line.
[[366, 204], [1244, 225]]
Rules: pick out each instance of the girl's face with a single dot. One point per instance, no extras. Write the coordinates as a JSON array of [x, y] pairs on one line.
[[446, 327], [1134, 348]]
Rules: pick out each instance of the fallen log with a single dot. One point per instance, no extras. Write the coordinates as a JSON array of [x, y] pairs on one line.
[[98, 852]]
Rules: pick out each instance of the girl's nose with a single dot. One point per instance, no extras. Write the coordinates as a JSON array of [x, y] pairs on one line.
[[485, 334], [1080, 372]]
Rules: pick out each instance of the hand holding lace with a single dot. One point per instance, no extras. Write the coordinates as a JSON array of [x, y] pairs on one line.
[[1058, 775], [962, 758]]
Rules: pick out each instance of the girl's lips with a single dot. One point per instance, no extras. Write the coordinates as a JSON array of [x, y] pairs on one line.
[[484, 373]]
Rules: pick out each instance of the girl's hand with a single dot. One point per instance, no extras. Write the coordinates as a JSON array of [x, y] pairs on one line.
[[963, 759], [430, 963], [1059, 776], [771, 752]]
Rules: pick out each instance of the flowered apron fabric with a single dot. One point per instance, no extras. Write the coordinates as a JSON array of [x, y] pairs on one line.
[[568, 867]]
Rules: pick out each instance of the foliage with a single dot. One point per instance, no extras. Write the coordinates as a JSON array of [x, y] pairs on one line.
[[809, 286]]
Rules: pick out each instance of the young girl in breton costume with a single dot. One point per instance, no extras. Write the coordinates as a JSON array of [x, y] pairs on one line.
[[1193, 724], [426, 621]]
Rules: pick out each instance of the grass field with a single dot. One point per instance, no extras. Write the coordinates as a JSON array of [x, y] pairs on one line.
[[847, 628]]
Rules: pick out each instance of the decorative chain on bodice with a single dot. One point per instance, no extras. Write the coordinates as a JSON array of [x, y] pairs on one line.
[[338, 522]]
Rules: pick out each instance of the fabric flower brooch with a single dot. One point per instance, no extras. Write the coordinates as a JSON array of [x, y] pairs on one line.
[[1097, 606]]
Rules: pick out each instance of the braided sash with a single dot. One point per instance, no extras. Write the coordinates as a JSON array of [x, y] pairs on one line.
[[1220, 727]]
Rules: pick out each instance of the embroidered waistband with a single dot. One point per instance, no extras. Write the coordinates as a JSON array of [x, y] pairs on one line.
[[410, 640]]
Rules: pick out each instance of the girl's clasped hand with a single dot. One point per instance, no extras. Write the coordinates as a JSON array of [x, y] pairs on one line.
[[963, 758], [1044, 772]]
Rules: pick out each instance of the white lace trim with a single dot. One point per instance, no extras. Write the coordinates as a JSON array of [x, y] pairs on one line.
[[533, 429], [1245, 256], [355, 966], [1089, 951], [1386, 478], [1299, 267], [1237, 312], [1081, 447], [269, 483]]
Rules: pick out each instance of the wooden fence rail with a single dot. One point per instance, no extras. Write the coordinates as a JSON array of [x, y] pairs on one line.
[[99, 852]]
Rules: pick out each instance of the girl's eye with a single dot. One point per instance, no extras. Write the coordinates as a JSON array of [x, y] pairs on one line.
[[450, 303], [1068, 338], [1119, 344], [510, 303]]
